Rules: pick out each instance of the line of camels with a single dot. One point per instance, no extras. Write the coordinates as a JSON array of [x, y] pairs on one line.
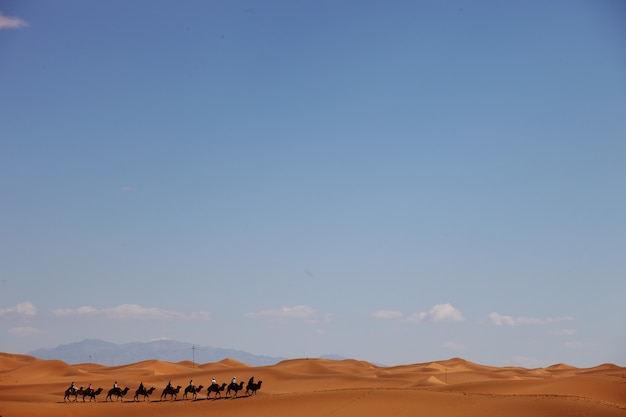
[[119, 394]]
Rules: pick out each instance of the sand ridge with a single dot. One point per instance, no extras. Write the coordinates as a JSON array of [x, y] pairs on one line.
[[316, 387]]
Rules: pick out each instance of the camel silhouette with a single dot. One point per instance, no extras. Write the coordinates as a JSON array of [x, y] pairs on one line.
[[170, 391], [91, 394], [146, 393], [234, 387], [73, 392], [193, 390], [251, 389], [217, 389], [119, 393]]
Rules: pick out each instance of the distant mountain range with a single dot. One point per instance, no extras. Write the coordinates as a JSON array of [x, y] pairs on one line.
[[111, 354]]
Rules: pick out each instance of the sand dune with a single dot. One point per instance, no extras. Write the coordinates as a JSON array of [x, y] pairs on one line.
[[317, 387]]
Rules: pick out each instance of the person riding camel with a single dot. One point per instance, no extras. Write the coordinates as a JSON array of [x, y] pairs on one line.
[[169, 384], [213, 381], [191, 385], [72, 387], [141, 388], [251, 380]]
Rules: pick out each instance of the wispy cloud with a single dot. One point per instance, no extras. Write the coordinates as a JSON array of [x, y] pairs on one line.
[[299, 312], [438, 313], [24, 309], [8, 22], [564, 332], [528, 362], [502, 320], [130, 311], [417, 317], [452, 346], [25, 331], [387, 314]]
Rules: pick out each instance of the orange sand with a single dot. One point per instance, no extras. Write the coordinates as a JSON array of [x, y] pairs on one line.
[[31, 387]]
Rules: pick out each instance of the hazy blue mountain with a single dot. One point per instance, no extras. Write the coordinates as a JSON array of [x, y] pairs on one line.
[[111, 354]]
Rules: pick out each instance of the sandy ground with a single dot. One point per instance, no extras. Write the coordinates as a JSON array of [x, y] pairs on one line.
[[31, 387]]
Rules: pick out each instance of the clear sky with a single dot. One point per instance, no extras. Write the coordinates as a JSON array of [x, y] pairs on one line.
[[391, 181]]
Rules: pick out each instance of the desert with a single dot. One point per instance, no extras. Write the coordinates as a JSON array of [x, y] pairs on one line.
[[312, 387]]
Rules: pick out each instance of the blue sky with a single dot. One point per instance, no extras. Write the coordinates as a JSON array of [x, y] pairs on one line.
[[396, 182]]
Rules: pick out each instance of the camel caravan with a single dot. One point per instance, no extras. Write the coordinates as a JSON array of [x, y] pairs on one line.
[[170, 392]]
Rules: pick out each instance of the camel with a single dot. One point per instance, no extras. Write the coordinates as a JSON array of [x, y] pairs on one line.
[[217, 389], [169, 390], [146, 393], [91, 394], [73, 392], [117, 392], [252, 388], [193, 390], [81, 391], [234, 387]]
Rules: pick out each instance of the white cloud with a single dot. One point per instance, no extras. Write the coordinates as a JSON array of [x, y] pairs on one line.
[[438, 313], [564, 332], [528, 362], [25, 309], [387, 314], [501, 320], [445, 312], [7, 22], [452, 346], [417, 317], [25, 331], [557, 319], [299, 312], [328, 317], [130, 311]]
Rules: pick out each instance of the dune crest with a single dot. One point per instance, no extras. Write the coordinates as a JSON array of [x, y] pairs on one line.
[[560, 367], [10, 361], [232, 363], [429, 381]]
